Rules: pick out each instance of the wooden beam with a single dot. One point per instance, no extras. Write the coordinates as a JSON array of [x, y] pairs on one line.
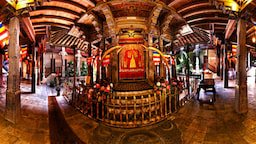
[[28, 28], [187, 39], [171, 4], [207, 18], [194, 6], [252, 29], [58, 9], [202, 12], [66, 4], [53, 24], [51, 17], [231, 26]]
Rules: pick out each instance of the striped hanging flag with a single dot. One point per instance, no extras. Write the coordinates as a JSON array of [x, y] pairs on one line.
[[89, 60], [24, 49], [234, 47], [4, 36], [255, 27], [106, 60], [173, 59], [156, 58], [167, 57], [6, 54]]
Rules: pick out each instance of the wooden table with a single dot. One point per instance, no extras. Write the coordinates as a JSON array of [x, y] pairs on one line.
[[207, 84]]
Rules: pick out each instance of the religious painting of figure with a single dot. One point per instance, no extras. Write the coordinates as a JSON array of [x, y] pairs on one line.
[[131, 62]]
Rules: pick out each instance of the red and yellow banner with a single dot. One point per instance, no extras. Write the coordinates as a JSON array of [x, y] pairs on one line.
[[106, 60], [89, 60]]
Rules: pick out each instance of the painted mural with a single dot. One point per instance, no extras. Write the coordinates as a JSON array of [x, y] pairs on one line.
[[132, 62]]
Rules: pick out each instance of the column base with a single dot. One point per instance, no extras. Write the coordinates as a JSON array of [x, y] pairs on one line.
[[241, 99], [13, 106]]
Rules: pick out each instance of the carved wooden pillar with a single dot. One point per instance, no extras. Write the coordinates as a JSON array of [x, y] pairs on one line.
[[241, 99], [162, 69], [13, 104], [1, 73], [150, 61], [225, 66], [114, 66], [89, 65], [34, 69]]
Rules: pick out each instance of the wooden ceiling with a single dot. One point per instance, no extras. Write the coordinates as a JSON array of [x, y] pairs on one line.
[[63, 14]]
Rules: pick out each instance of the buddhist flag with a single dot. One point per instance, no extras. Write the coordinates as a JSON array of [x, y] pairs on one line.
[[156, 58], [234, 46], [6, 54], [106, 60], [167, 57], [4, 36], [24, 49], [255, 27], [173, 59]]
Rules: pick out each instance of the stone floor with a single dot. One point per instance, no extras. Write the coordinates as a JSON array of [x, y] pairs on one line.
[[196, 122]]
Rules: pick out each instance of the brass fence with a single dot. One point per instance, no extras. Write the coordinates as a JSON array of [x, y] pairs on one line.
[[128, 111]]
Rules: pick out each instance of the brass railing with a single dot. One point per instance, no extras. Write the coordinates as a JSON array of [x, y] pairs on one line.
[[127, 111]]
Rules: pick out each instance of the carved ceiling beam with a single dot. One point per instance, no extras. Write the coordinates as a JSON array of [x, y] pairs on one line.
[[109, 18], [166, 23], [153, 17], [231, 26], [96, 23]]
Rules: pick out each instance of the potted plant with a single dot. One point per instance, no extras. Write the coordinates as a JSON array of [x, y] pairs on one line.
[[83, 69]]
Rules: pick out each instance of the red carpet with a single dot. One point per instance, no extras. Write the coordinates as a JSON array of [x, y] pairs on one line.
[[60, 132]]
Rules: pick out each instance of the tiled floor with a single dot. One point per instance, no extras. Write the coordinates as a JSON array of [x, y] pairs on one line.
[[196, 122]]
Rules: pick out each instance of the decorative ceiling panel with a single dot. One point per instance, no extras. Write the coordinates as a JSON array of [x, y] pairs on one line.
[[125, 8]]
